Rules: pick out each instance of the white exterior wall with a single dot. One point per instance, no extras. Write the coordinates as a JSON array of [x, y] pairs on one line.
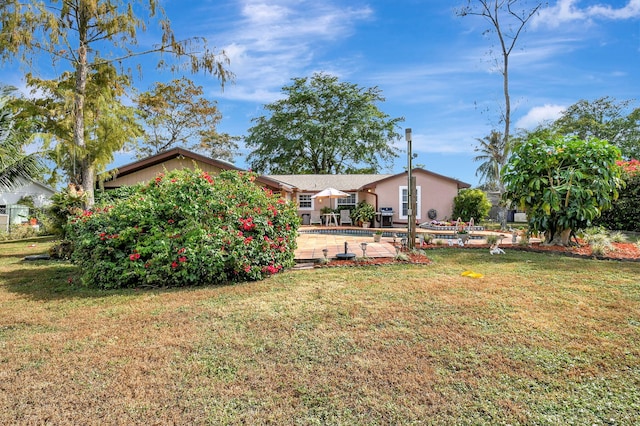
[[41, 195]]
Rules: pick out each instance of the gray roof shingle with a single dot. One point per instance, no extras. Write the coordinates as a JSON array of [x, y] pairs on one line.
[[312, 183]]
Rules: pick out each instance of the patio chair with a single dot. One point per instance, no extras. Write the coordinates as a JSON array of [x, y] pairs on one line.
[[315, 219], [345, 217]]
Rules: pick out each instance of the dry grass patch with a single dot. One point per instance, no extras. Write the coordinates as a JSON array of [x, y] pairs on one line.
[[540, 339]]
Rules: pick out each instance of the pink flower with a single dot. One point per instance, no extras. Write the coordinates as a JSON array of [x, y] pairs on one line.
[[134, 256], [182, 259], [174, 264]]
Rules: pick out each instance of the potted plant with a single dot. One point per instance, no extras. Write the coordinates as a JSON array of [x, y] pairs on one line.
[[363, 214], [463, 234], [377, 236]]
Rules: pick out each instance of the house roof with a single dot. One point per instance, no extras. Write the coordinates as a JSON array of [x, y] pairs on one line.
[[459, 183], [349, 183], [25, 182], [313, 183], [184, 153]]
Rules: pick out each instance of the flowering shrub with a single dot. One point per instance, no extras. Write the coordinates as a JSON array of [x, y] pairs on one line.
[[631, 167], [186, 228]]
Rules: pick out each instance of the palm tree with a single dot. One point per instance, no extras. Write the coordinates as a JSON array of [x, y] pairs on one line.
[[494, 152], [15, 165]]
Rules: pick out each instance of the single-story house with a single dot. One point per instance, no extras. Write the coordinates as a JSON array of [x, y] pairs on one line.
[[12, 213], [434, 193], [39, 193], [148, 168]]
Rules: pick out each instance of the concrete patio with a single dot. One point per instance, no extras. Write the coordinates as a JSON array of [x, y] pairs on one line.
[[310, 245]]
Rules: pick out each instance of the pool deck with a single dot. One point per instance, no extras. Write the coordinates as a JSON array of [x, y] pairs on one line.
[[310, 244]]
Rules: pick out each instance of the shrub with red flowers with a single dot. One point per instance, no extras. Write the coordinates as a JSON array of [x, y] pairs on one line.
[[186, 228]]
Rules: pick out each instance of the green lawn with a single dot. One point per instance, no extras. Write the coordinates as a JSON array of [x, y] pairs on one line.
[[541, 339]]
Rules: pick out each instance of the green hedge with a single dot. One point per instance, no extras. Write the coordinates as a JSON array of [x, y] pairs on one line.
[[471, 203], [186, 228], [625, 212]]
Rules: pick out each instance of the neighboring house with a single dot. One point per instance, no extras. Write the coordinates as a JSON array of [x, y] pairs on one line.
[[10, 212], [177, 158], [433, 192]]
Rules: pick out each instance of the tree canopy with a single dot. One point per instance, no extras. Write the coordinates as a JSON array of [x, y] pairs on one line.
[[110, 125], [603, 118], [323, 126], [86, 34], [563, 183], [177, 114]]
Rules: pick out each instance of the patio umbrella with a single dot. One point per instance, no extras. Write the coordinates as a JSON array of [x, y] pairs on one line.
[[331, 193]]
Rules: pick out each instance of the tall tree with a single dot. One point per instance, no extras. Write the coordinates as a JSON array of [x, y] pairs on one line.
[[15, 165], [507, 21], [493, 153], [178, 114], [78, 31], [507, 32], [109, 124], [323, 126], [603, 118]]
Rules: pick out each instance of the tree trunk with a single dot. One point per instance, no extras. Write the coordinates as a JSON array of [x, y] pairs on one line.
[[561, 238], [87, 168]]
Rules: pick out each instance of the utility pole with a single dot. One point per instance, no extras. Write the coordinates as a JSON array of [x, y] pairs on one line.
[[411, 195]]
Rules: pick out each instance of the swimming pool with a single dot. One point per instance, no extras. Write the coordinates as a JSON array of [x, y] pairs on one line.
[[388, 234]]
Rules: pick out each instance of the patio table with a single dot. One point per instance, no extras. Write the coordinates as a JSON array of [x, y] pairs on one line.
[[328, 217]]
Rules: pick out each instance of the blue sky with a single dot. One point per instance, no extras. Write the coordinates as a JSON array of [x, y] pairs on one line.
[[433, 67]]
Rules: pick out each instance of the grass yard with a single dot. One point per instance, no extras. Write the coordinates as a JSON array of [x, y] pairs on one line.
[[541, 339]]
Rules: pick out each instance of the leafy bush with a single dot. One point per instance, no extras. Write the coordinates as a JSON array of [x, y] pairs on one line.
[[64, 205], [186, 228], [471, 203], [625, 211], [563, 183], [18, 232], [618, 237], [492, 239], [598, 239]]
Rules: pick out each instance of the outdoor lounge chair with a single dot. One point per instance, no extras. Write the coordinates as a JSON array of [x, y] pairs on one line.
[[345, 217], [315, 219]]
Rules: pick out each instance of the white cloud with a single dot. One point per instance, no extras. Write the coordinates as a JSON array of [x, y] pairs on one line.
[[565, 11], [539, 115], [446, 140], [276, 40], [630, 11]]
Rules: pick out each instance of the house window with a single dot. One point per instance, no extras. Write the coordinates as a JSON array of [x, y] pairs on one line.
[[305, 202], [349, 201], [404, 202]]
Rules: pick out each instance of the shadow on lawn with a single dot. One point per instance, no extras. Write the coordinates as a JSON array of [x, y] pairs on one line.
[[50, 280]]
